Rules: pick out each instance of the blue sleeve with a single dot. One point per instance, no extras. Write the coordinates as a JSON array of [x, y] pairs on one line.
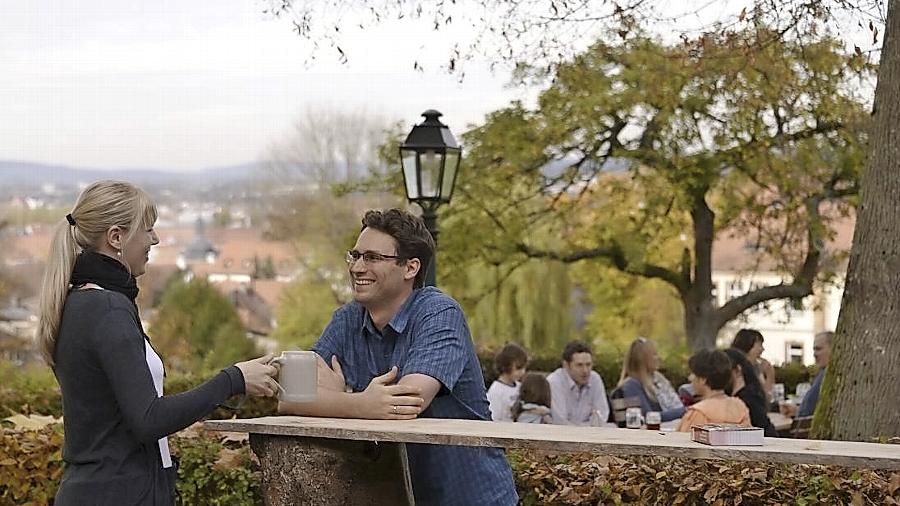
[[633, 388], [672, 414], [808, 405], [329, 343], [438, 346]]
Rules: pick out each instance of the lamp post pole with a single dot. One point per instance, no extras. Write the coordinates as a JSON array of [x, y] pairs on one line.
[[429, 216], [430, 159]]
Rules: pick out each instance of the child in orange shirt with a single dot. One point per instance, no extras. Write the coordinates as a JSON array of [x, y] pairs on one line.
[[710, 375]]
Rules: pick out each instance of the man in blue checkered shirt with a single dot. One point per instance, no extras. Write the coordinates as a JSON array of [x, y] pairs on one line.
[[404, 351]]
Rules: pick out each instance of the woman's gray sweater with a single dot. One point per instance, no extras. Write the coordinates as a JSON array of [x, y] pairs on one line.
[[111, 413]]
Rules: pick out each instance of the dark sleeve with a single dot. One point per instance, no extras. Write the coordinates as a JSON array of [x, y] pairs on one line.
[[438, 348], [121, 351], [633, 388], [756, 403]]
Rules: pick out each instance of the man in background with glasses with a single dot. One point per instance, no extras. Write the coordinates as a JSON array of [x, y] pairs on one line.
[[400, 351]]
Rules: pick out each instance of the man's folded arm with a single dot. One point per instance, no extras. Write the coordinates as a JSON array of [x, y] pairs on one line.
[[428, 386]]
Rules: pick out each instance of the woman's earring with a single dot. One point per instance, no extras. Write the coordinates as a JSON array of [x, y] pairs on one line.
[[119, 253]]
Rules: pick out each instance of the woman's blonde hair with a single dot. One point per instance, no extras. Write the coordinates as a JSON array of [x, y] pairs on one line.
[[100, 207], [637, 365]]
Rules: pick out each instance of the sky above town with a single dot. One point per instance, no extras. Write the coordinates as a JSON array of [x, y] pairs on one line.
[[185, 85]]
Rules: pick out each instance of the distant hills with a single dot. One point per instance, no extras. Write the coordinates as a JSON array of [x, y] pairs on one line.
[[17, 174]]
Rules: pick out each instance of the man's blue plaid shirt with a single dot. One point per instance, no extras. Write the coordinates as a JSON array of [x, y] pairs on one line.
[[428, 335]]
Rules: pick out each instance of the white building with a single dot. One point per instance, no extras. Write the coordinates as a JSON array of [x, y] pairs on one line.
[[788, 331]]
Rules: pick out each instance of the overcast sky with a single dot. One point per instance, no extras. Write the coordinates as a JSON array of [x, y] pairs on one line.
[[187, 84], [184, 85]]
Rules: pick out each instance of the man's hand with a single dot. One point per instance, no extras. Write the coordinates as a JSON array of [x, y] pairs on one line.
[[788, 409], [381, 400], [330, 378]]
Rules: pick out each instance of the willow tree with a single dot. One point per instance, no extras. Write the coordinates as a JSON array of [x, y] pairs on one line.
[[639, 154]]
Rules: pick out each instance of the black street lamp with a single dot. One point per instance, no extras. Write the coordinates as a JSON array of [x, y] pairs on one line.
[[430, 159]]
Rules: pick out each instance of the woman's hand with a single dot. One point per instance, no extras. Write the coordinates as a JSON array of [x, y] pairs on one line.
[[259, 376]]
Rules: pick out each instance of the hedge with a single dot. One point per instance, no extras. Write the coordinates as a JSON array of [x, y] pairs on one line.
[[580, 479], [213, 470], [218, 471]]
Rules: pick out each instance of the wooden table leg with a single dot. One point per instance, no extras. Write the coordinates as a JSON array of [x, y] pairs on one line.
[[318, 471]]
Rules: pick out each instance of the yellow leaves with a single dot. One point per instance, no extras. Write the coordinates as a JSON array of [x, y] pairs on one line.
[[31, 422], [30, 460], [578, 479], [229, 459], [895, 483]]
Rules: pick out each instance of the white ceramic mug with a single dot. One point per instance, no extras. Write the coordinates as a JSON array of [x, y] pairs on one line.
[[298, 376]]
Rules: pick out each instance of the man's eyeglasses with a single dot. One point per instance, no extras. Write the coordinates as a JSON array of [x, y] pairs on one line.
[[369, 257]]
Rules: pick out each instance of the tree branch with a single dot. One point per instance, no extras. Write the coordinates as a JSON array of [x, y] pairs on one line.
[[802, 284], [617, 257]]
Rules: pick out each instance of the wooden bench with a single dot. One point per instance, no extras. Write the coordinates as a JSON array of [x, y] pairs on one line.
[[348, 461]]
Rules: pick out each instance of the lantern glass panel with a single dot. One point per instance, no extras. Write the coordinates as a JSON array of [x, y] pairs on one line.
[[431, 161], [410, 176], [450, 166]]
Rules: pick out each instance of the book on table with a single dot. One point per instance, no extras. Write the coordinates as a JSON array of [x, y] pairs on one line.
[[726, 434]]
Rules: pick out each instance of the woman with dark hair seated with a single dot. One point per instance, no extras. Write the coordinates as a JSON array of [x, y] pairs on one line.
[[746, 387], [710, 376], [750, 341]]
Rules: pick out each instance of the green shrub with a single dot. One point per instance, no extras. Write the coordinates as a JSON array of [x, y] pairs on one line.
[[30, 389], [214, 473], [33, 390], [793, 373]]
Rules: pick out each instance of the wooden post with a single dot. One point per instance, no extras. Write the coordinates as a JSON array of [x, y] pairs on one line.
[[317, 471]]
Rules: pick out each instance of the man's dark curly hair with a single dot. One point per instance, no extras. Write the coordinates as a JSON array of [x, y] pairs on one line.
[[413, 239]]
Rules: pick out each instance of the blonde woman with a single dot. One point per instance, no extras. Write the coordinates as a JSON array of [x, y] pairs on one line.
[[640, 378], [115, 417]]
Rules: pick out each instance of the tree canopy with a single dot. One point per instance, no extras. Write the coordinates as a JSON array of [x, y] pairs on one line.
[[197, 329], [640, 153]]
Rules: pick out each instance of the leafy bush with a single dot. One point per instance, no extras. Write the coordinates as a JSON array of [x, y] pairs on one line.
[[590, 479], [216, 472], [29, 389], [30, 465], [793, 373], [221, 470], [33, 390]]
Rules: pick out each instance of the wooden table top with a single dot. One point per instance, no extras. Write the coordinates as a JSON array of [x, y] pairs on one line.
[[561, 438]]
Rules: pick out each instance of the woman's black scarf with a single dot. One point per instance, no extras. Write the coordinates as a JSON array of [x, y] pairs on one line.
[[104, 271]]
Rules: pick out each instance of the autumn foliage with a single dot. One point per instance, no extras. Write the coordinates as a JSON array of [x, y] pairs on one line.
[[591, 479]]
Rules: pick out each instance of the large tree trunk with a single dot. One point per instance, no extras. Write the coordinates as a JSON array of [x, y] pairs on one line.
[[699, 321], [861, 394]]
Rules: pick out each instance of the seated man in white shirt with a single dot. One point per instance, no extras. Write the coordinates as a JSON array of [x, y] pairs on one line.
[[578, 396]]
